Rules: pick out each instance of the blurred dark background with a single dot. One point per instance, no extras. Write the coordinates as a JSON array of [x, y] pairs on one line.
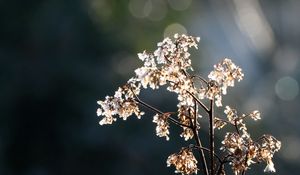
[[57, 58]]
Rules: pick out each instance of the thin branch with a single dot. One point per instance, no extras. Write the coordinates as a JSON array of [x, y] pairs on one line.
[[245, 163], [208, 150], [244, 116], [244, 171], [198, 101], [227, 122], [236, 127], [185, 73], [195, 114], [138, 100], [199, 77], [221, 169], [198, 141], [148, 106], [161, 113], [177, 122]]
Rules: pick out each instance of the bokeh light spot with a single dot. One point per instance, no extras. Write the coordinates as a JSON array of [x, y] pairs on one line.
[[100, 10], [291, 149], [158, 11], [286, 59], [148, 8], [174, 28], [287, 88], [140, 8], [180, 4]]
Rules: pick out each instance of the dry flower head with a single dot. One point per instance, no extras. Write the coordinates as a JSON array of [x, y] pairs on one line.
[[170, 66]]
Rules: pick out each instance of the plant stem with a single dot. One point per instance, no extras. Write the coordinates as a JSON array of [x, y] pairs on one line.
[[161, 113], [202, 156], [211, 136], [221, 168], [157, 111], [208, 150], [236, 127], [198, 101], [198, 141]]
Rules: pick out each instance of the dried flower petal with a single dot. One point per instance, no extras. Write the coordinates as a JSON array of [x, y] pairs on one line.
[[219, 124], [231, 114], [270, 167], [255, 115]]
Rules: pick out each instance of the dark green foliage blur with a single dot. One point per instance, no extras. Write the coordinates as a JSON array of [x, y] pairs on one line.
[[57, 58]]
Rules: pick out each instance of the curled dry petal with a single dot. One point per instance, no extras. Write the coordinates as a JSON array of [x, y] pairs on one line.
[[270, 167], [218, 123]]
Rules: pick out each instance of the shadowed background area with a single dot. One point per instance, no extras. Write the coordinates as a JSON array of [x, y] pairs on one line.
[[57, 58]]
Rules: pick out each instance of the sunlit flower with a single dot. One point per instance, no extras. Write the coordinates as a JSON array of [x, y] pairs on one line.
[[121, 104], [184, 162], [185, 117], [231, 114], [218, 123], [270, 167], [162, 128], [170, 66], [255, 115], [224, 74], [242, 151]]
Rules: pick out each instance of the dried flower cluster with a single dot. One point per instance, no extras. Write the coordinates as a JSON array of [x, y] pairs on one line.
[[122, 104], [223, 76], [170, 66], [162, 128], [184, 161]]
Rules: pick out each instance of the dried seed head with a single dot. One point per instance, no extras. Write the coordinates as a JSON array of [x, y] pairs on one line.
[[184, 162]]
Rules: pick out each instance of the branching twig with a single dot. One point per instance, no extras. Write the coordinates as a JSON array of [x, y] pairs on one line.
[[236, 127], [199, 77], [172, 70], [138, 100], [198, 101], [208, 150], [161, 113]]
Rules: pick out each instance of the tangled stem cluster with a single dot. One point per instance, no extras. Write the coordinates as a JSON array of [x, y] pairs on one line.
[[170, 66]]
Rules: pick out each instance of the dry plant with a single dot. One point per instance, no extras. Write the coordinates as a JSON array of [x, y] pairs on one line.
[[170, 66]]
